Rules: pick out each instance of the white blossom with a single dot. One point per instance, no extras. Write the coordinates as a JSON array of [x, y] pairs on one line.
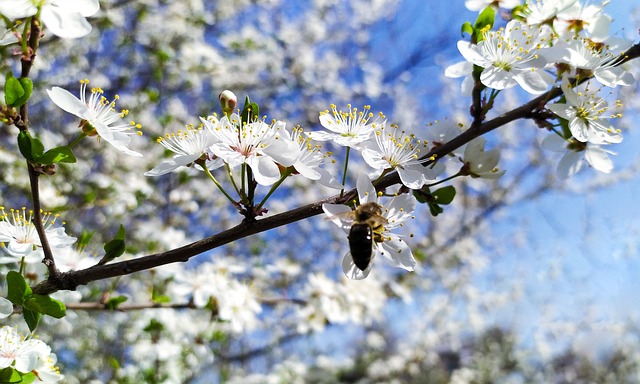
[[64, 18], [588, 115], [600, 58], [309, 159], [510, 56], [259, 145], [575, 154], [478, 5], [479, 163], [21, 238], [393, 150], [189, 145], [390, 245], [98, 115], [348, 129], [16, 352]]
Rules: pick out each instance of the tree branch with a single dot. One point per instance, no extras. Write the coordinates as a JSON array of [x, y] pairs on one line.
[[71, 280]]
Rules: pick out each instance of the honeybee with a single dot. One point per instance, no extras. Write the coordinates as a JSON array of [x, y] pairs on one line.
[[368, 225]]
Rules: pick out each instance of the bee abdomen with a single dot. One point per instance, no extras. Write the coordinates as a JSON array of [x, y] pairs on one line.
[[361, 245]]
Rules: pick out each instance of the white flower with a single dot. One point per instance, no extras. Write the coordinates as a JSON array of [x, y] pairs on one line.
[[576, 153], [6, 36], [21, 239], [578, 17], [189, 145], [441, 132], [46, 370], [64, 18], [479, 163], [16, 352], [511, 56], [478, 5], [309, 158], [462, 69], [400, 152], [588, 115], [601, 58], [259, 145], [99, 115], [348, 129], [391, 246], [544, 11], [6, 308]]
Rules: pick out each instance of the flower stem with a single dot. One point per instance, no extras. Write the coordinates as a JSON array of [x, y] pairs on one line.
[[77, 139], [218, 184], [381, 176], [344, 175], [445, 179], [273, 188], [233, 181]]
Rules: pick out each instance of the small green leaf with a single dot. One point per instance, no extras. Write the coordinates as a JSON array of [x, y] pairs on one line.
[[84, 239], [10, 375], [57, 155], [485, 19], [18, 289], [45, 305], [444, 195], [17, 91], [115, 247], [423, 195], [29, 378], [466, 28], [31, 148], [27, 86], [13, 90], [154, 326], [161, 299], [113, 302], [250, 111], [32, 318], [435, 209]]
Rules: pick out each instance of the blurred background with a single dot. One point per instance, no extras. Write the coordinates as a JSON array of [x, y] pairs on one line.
[[526, 279]]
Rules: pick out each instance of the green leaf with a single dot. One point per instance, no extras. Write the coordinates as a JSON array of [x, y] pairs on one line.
[[18, 289], [444, 195], [17, 91], [84, 239], [29, 378], [31, 148], [45, 305], [57, 155], [113, 302], [32, 318], [10, 375], [435, 209], [115, 247], [154, 326], [466, 28], [485, 19], [12, 90], [161, 299], [250, 111]]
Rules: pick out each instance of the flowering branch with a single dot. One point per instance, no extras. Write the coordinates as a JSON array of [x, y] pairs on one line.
[[71, 280]]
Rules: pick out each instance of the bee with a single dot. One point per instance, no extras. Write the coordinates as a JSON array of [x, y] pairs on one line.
[[368, 225]]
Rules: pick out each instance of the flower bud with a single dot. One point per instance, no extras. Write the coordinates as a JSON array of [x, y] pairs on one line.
[[228, 101]]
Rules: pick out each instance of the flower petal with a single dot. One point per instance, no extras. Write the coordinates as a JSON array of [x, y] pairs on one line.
[[351, 271]]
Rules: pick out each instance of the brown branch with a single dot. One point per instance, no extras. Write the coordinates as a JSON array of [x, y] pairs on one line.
[[97, 306], [71, 280], [23, 124]]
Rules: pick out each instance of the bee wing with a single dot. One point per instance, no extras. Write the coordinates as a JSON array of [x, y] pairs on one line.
[[352, 271]]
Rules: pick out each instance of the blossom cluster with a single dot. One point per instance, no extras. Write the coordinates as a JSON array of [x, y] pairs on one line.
[[546, 41]]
